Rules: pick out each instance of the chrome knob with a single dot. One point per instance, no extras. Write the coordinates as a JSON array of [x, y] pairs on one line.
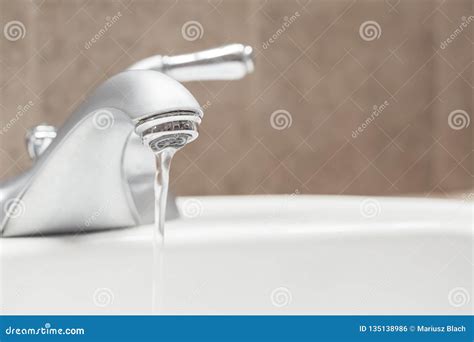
[[38, 139]]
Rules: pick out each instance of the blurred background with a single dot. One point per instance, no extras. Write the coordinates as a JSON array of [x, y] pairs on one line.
[[348, 97]]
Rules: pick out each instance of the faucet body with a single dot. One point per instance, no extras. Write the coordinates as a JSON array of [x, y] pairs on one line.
[[96, 173]]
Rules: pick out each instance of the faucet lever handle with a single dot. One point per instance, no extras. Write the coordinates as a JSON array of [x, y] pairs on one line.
[[228, 62]]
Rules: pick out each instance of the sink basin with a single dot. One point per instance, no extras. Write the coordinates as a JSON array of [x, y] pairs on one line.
[[255, 255]]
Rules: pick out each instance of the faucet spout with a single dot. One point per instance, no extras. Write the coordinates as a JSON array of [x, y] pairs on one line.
[[86, 176]]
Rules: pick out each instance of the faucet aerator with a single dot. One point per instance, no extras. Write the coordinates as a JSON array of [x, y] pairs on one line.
[[169, 130]]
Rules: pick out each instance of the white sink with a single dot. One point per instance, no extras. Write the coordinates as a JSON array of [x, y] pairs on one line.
[[256, 255]]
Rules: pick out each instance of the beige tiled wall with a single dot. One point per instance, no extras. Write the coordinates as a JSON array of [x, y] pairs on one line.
[[318, 72]]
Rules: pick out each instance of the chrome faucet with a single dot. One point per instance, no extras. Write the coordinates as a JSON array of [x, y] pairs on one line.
[[94, 172]]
